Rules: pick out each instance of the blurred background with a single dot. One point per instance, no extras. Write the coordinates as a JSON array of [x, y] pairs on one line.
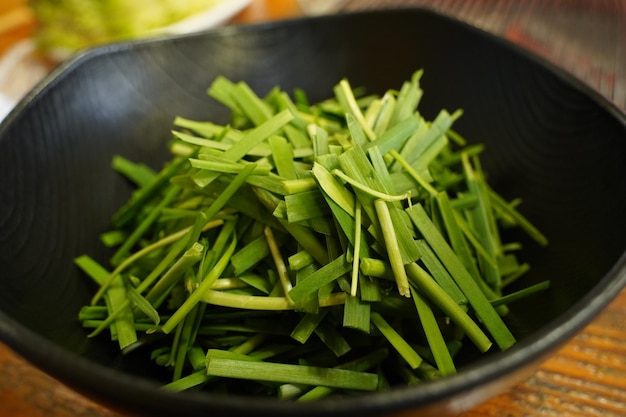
[[584, 37]]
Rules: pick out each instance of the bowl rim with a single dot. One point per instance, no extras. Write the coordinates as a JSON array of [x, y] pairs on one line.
[[117, 389]]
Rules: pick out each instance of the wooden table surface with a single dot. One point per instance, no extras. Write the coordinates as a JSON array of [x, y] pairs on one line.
[[587, 377]]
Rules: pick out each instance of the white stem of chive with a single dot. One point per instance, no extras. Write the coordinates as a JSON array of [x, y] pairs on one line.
[[357, 248], [370, 191], [393, 249], [281, 268], [345, 91], [413, 173], [255, 302]]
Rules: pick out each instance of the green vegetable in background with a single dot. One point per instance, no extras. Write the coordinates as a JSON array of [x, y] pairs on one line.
[[310, 250], [68, 25]]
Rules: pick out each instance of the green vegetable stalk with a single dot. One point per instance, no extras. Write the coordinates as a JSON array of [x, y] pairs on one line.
[[310, 250], [68, 25]]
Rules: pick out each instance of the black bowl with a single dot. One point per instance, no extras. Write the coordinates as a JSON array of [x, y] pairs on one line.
[[550, 140]]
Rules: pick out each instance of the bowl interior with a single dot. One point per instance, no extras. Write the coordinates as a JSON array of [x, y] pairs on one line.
[[548, 139]]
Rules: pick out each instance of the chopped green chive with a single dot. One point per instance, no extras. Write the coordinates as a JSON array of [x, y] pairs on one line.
[[436, 341], [352, 242], [294, 374], [476, 298], [393, 250], [404, 349]]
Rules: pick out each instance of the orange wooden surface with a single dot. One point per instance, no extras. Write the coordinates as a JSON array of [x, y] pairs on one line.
[[587, 377]]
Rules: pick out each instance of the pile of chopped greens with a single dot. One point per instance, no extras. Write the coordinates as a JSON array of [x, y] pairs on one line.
[[307, 250]]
